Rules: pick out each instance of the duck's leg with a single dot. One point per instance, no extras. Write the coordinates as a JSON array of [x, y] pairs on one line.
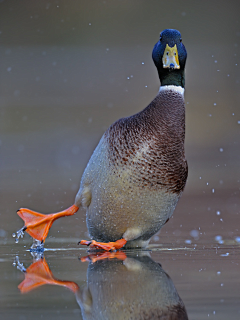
[[107, 246], [37, 225]]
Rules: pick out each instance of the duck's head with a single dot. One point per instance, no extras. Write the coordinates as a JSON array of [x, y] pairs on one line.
[[169, 56]]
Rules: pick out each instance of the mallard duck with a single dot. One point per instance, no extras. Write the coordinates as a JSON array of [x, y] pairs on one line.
[[138, 171]]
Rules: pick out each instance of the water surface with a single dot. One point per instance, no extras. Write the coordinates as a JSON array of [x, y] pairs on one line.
[[206, 278]]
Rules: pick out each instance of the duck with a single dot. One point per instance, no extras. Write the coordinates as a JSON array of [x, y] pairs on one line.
[[138, 171]]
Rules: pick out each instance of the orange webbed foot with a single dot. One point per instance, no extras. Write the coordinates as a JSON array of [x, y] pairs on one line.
[[107, 246], [37, 225], [104, 255]]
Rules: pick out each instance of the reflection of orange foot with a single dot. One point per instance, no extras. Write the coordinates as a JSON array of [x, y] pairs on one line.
[[39, 274], [38, 225], [108, 246], [104, 255]]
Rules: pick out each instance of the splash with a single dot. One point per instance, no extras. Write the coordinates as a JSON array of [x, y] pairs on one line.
[[19, 265], [37, 246], [19, 234]]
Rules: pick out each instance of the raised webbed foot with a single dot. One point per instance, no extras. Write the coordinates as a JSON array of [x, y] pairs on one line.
[[37, 225]]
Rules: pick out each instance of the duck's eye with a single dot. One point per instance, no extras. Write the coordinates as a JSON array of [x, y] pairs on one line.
[[180, 39], [167, 53], [160, 38], [175, 53]]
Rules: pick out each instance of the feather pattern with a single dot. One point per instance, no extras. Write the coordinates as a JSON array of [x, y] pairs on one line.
[[151, 144]]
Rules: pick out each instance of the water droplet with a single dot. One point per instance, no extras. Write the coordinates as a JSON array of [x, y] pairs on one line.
[[213, 190], [221, 149], [214, 104], [142, 62], [194, 233], [218, 238], [19, 234], [225, 254], [218, 213]]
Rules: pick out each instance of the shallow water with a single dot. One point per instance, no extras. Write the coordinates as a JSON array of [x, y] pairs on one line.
[[207, 279]]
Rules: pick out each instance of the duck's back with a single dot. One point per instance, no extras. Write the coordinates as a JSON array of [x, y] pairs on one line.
[[138, 170]]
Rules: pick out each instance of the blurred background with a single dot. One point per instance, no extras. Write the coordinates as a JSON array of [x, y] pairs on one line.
[[68, 69]]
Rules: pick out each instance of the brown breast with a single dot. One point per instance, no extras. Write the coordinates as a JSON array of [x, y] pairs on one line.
[[151, 144]]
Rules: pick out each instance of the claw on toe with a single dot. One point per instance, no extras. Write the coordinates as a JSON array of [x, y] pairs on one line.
[[107, 246], [85, 242]]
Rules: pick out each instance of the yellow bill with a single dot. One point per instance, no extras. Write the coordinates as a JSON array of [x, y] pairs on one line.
[[170, 58]]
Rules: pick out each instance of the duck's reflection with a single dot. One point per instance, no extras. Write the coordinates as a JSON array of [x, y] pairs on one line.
[[119, 286]]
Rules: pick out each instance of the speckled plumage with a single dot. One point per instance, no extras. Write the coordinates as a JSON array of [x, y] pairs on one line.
[[150, 144], [137, 173]]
